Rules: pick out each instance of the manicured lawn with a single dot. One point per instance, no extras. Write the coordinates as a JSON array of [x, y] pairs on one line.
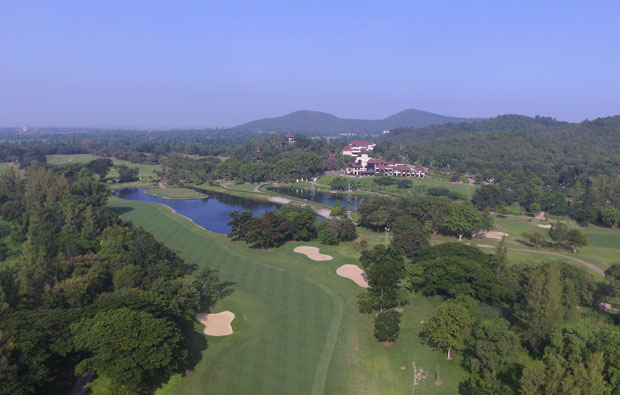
[[147, 172], [176, 193], [297, 327]]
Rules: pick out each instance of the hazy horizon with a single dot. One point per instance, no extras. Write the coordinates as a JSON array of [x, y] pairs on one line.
[[194, 65]]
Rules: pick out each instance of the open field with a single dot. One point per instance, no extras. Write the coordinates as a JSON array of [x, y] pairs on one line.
[[147, 172], [297, 328], [176, 193]]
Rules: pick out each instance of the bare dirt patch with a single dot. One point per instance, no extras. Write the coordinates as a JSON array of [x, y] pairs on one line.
[[548, 226], [354, 273], [495, 235], [541, 215], [216, 324], [312, 253]]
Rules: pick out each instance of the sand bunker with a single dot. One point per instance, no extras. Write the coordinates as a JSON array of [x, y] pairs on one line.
[[279, 200], [312, 253], [540, 215], [216, 324], [544, 226], [495, 235], [354, 273]]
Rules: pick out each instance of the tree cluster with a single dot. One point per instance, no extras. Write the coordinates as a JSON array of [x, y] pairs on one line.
[[82, 291]]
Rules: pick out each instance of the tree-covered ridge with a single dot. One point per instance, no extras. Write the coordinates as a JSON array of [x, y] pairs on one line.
[[502, 123], [82, 291], [590, 147]]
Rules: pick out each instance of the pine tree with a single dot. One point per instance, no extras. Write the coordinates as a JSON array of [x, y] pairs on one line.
[[542, 309]]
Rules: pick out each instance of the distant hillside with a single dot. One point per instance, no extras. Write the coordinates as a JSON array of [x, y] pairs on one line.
[[502, 123], [563, 151], [316, 123]]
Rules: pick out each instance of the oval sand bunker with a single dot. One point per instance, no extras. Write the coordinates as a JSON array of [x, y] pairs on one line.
[[354, 273], [312, 253], [216, 324]]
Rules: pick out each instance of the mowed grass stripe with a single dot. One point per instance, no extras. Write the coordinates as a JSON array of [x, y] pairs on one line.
[[280, 353]]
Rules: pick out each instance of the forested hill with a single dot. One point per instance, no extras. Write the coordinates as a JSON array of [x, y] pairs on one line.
[[316, 123], [590, 147], [509, 122]]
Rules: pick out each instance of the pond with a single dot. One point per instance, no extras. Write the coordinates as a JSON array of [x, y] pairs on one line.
[[351, 201], [212, 213]]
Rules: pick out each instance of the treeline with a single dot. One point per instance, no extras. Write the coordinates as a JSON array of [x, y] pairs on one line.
[[274, 228], [82, 291], [598, 201], [271, 159]]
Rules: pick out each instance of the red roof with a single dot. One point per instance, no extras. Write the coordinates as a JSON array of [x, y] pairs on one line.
[[354, 165], [290, 135], [376, 161], [360, 143]]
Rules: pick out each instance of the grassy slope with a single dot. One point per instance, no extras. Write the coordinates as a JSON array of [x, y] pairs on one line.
[[176, 193], [297, 326]]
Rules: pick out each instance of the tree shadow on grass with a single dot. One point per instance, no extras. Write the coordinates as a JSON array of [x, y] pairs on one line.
[[196, 345], [122, 210]]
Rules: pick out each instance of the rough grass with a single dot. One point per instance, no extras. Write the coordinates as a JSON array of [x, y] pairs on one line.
[[176, 193], [297, 328]]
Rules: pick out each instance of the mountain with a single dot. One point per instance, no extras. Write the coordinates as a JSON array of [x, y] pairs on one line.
[[502, 123], [317, 123]]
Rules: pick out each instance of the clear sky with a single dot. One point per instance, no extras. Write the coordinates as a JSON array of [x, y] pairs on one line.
[[221, 63]]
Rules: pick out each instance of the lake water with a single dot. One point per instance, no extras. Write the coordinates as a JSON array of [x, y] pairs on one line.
[[211, 213], [351, 201]]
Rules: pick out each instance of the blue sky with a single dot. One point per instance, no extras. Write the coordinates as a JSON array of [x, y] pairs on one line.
[[206, 63]]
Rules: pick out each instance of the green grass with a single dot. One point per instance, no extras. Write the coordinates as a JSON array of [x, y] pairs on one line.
[[367, 184], [176, 193], [297, 327], [604, 248], [146, 172]]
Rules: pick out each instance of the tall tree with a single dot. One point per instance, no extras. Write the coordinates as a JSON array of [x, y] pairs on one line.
[[491, 346], [575, 239], [499, 260], [542, 309], [558, 233], [384, 267], [387, 326], [128, 347], [449, 325], [463, 218]]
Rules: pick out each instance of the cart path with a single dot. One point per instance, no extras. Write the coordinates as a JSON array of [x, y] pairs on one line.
[[589, 265]]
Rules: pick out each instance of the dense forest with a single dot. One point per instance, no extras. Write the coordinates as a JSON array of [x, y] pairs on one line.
[[83, 292], [502, 123]]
